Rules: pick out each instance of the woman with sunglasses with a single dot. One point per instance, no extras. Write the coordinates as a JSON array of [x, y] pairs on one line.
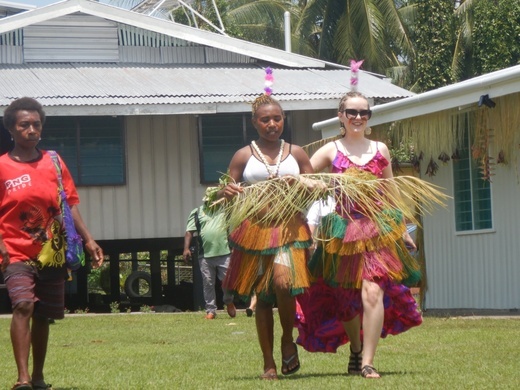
[[356, 266]]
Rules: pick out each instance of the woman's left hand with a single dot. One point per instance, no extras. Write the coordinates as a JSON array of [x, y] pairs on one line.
[[96, 253]]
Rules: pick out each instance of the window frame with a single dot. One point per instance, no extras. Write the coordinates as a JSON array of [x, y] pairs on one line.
[[247, 136], [473, 169], [77, 146]]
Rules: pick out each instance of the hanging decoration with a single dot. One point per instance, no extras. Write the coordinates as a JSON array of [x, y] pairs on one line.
[[269, 81], [354, 68]]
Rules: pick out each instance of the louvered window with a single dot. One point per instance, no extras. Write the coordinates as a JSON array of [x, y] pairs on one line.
[[220, 136], [472, 194], [92, 147]]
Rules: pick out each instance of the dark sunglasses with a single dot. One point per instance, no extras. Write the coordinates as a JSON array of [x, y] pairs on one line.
[[351, 113]]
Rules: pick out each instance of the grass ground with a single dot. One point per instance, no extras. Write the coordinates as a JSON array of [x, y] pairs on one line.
[[184, 351]]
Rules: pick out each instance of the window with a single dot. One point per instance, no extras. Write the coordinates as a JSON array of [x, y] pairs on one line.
[[220, 136], [472, 194], [92, 147]]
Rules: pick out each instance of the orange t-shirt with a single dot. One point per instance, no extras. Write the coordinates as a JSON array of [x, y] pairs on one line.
[[30, 214]]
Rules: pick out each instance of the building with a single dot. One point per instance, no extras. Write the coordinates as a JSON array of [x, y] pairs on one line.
[[469, 136], [147, 113]]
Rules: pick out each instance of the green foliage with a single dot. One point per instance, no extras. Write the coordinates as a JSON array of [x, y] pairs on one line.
[[114, 307], [496, 37], [434, 39], [145, 309]]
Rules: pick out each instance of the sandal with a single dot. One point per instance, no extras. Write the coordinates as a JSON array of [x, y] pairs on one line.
[[369, 372], [22, 386], [286, 363], [41, 385], [354, 361]]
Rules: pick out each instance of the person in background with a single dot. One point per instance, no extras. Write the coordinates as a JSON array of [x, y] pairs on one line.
[[316, 212], [213, 255], [356, 265], [252, 306], [32, 238]]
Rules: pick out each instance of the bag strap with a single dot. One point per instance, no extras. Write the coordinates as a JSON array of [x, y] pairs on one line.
[[57, 165]]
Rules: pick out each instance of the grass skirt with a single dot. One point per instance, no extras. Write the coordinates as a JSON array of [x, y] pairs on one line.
[[350, 251], [258, 247]]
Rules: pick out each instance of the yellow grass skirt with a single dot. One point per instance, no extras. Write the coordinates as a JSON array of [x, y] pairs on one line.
[[259, 249]]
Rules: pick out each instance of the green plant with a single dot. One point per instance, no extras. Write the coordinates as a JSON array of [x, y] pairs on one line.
[[81, 311], [146, 309], [114, 307]]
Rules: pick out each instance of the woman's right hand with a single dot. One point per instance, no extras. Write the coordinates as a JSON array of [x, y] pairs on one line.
[[231, 190]]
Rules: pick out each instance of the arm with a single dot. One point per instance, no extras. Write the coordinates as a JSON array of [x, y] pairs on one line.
[[236, 169], [4, 254], [92, 247], [303, 160], [323, 157], [306, 167], [186, 254]]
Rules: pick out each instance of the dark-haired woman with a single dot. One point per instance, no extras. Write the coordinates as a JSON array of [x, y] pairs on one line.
[[32, 239], [270, 260]]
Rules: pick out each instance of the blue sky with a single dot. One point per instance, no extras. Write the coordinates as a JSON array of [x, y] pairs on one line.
[[39, 3]]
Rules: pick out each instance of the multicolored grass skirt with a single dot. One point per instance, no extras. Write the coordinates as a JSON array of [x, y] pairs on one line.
[[350, 251], [258, 247]]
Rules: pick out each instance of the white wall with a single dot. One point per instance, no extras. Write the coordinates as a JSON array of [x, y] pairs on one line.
[[163, 179], [162, 184], [475, 271]]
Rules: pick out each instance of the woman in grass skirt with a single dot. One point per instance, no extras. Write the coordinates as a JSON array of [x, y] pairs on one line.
[[361, 259]]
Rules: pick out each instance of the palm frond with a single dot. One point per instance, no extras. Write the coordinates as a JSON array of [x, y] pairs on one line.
[[276, 201]]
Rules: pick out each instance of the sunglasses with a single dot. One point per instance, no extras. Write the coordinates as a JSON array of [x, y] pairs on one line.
[[352, 114]]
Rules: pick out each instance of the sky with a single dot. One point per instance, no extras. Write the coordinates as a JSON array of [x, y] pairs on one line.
[[38, 3]]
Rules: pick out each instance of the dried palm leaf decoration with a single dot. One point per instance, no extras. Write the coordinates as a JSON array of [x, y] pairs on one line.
[[275, 201]]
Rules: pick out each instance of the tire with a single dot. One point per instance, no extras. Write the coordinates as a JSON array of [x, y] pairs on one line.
[[132, 284]]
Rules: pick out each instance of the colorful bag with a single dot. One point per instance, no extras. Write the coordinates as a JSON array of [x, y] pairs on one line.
[[74, 255]]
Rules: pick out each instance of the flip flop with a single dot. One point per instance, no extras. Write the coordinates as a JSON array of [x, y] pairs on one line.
[[41, 385], [22, 386], [287, 362]]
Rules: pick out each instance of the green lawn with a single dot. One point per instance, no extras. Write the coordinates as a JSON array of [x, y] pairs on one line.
[[184, 351]]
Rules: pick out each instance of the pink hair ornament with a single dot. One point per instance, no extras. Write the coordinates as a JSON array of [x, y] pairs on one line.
[[354, 68], [269, 80]]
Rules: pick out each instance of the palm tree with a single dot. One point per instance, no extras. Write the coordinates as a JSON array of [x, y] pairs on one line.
[[340, 30]]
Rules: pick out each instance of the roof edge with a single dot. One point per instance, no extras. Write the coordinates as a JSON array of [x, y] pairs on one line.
[[499, 83], [165, 27]]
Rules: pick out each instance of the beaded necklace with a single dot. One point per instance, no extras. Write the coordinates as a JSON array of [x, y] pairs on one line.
[[272, 172]]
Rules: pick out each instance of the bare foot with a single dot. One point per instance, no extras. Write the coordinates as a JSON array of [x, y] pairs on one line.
[[269, 375]]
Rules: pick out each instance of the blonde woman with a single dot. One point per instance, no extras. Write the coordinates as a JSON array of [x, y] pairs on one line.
[[358, 267]]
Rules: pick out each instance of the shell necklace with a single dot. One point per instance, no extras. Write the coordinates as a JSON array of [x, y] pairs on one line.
[[273, 172]]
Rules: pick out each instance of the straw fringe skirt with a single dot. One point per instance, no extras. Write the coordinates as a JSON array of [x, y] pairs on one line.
[[258, 248], [350, 251]]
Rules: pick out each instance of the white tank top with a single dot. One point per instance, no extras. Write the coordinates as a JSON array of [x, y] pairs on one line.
[[256, 171]]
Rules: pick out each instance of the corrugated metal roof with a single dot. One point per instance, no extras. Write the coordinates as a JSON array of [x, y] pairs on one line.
[[80, 84]]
